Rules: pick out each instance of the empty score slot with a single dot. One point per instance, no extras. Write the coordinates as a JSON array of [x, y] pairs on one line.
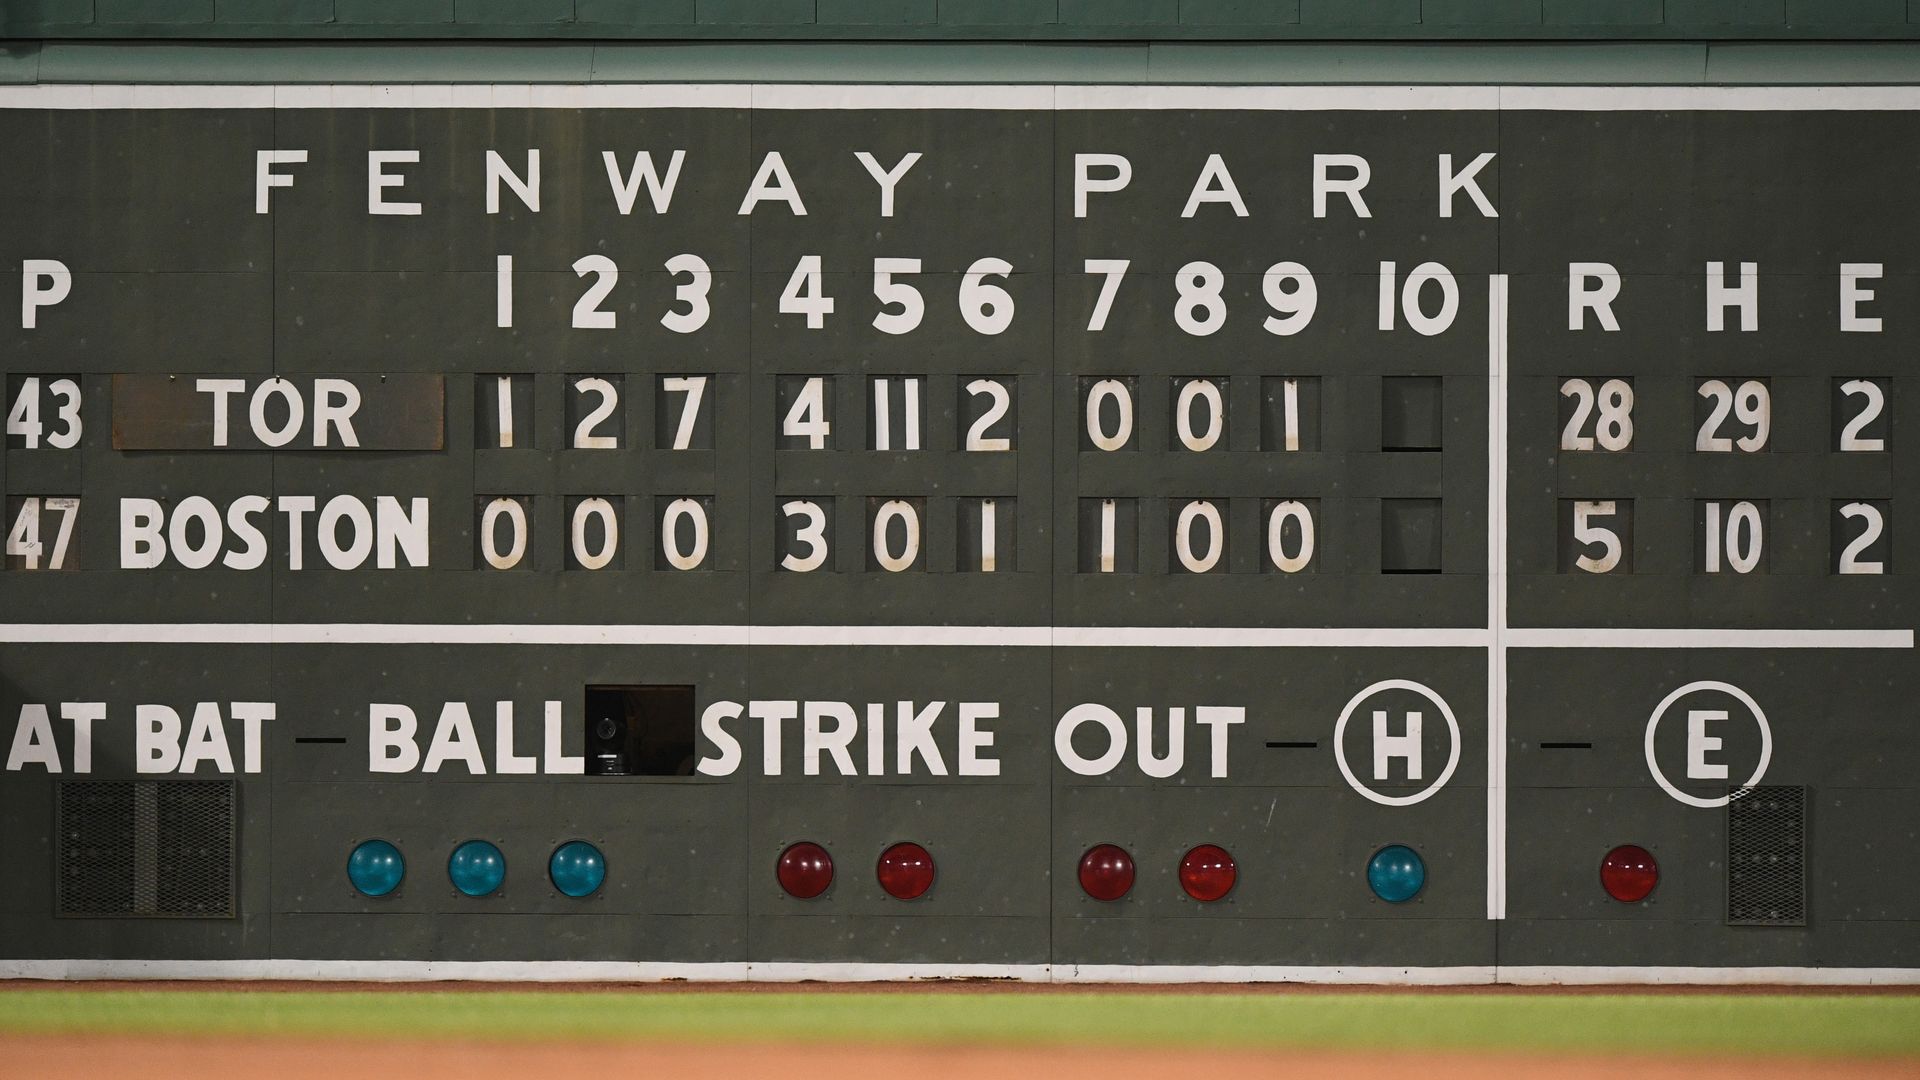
[[1410, 412], [643, 730], [1410, 536]]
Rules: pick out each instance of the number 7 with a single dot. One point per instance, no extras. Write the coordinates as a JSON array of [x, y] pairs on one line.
[[694, 386], [1114, 269]]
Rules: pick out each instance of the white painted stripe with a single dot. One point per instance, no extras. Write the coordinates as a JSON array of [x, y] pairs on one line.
[[745, 971], [695, 634], [854, 96], [1359, 975], [1700, 638], [1731, 98], [1279, 98], [1298, 98], [1628, 975], [1497, 596], [1267, 637], [1026, 637], [976, 636]]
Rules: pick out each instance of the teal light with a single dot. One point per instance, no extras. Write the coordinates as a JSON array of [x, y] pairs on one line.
[[577, 868], [376, 867], [1396, 873], [476, 868]]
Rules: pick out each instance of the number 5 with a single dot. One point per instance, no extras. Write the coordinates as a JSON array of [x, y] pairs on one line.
[[1586, 533]]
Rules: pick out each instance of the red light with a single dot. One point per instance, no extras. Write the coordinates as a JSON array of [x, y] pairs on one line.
[[1106, 872], [805, 870], [905, 871], [1628, 873], [1207, 873]]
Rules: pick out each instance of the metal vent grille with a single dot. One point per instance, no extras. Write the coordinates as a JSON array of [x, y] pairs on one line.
[[145, 848], [1767, 857]]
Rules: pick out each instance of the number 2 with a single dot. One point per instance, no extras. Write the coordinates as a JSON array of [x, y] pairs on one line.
[[1870, 408]]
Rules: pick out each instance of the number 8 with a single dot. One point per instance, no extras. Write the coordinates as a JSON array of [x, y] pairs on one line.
[[1199, 284], [1614, 431]]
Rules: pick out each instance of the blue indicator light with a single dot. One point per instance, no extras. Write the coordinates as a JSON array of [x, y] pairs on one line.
[[1396, 873], [376, 867], [577, 868], [476, 868]]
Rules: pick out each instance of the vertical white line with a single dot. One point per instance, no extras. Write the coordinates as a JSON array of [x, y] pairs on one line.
[[910, 388], [503, 291], [1290, 396], [1497, 596], [505, 407], [882, 417], [989, 529], [1106, 536]]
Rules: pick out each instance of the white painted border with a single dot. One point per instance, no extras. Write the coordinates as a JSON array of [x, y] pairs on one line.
[[1497, 463], [992, 637], [611, 971], [1702, 638], [1299, 98]]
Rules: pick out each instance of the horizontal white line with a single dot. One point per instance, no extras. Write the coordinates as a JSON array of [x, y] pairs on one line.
[[1359, 975], [1023, 637], [1629, 975], [857, 96], [1037, 97], [696, 634], [1278, 98], [1711, 98], [747, 971], [1683, 638], [1256, 637]]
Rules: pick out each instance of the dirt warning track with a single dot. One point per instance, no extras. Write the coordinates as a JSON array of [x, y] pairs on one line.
[[67, 1056]]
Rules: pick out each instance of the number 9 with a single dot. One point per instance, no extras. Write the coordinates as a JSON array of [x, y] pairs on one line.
[[1295, 306]]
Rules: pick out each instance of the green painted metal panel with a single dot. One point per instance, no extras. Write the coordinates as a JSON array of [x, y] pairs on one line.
[[386, 13], [1119, 12], [613, 14], [107, 12], [273, 12], [1239, 12], [513, 12], [754, 12], [1480, 12], [1601, 12], [1812, 13], [1353, 15], [968, 20], [999, 12], [1724, 14], [879, 12]]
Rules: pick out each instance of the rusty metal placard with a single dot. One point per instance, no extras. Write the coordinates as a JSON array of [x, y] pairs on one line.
[[275, 412]]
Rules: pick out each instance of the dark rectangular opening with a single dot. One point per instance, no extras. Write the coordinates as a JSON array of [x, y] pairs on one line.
[[1411, 413], [1410, 536], [639, 730]]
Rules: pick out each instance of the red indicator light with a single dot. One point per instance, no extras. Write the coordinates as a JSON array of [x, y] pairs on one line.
[[1106, 872], [1628, 873], [805, 870], [905, 870], [1207, 873]]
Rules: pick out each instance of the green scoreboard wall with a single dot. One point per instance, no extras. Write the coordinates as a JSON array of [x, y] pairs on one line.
[[1450, 503]]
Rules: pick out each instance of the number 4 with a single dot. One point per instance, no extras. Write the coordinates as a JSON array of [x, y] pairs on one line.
[[807, 417], [23, 540], [804, 294]]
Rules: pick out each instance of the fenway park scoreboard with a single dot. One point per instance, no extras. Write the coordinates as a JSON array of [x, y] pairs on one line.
[[1074, 532]]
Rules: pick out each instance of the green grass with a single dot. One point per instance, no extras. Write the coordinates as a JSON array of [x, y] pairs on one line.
[[1703, 1023]]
